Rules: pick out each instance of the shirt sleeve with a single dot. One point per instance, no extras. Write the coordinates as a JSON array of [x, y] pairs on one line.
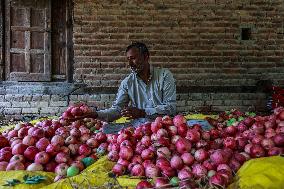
[[168, 106], [121, 101]]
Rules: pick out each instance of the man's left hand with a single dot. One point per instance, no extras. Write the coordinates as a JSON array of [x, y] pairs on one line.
[[133, 113]]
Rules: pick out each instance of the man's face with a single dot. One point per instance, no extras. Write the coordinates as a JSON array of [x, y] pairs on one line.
[[136, 60]]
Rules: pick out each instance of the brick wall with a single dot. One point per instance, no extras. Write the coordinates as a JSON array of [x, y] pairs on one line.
[[16, 103], [200, 41]]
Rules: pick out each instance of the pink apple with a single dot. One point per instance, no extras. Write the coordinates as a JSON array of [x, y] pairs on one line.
[[42, 144], [15, 165], [12, 133], [57, 140], [42, 157], [31, 130], [29, 140], [38, 133], [31, 152], [61, 169], [62, 157], [18, 158], [16, 141], [35, 167], [19, 149], [59, 177]]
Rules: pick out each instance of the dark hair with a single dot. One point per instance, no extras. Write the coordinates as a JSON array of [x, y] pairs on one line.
[[141, 46]]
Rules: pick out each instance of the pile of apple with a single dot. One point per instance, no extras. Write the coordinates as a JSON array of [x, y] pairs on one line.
[[174, 154], [61, 146]]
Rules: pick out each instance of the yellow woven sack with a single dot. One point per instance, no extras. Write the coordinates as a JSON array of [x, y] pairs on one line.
[[8, 175], [94, 175], [261, 173]]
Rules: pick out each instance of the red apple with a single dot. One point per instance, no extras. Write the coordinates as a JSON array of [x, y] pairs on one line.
[[57, 140], [19, 149], [31, 152], [42, 144], [42, 157]]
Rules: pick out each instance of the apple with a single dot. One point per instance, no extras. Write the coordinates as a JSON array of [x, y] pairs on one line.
[[42, 157], [19, 149], [58, 178], [72, 171], [92, 143], [18, 158], [23, 132], [50, 166], [12, 133], [18, 126], [61, 169], [61, 157], [65, 150], [78, 164], [75, 132], [57, 140], [3, 142], [16, 141], [15, 165], [71, 140], [87, 161], [52, 149], [31, 152], [35, 167], [38, 133], [55, 124], [84, 138], [29, 140], [73, 148], [84, 149], [5, 155], [48, 131], [3, 165], [42, 144], [31, 130]]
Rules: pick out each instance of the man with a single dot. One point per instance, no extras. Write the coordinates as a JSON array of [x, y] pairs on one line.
[[146, 92]]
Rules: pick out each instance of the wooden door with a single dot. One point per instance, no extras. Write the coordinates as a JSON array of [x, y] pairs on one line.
[[28, 41]]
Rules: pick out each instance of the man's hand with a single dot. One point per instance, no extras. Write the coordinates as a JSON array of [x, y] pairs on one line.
[[133, 113]]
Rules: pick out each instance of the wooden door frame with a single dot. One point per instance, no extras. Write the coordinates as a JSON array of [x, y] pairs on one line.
[[69, 40], [2, 40]]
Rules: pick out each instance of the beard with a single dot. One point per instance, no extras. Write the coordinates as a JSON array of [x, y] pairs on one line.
[[137, 69]]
